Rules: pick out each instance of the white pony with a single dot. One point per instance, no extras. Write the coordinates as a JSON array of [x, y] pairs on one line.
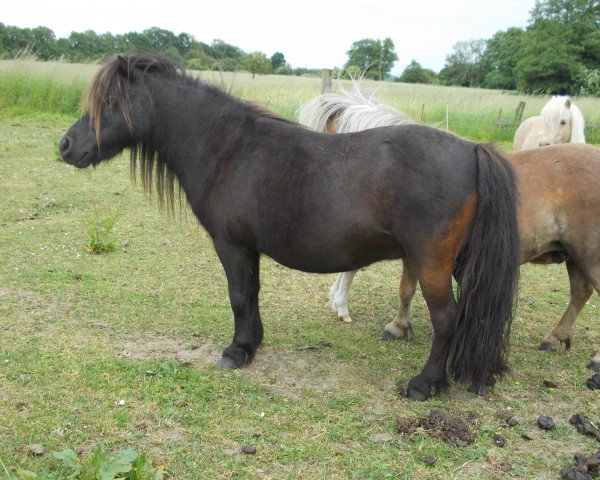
[[560, 122], [352, 112]]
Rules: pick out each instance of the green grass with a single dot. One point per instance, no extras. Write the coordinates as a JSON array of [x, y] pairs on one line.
[[55, 87], [116, 352], [28, 86]]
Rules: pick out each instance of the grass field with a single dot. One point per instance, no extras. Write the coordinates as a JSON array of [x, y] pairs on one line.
[[117, 351], [469, 112]]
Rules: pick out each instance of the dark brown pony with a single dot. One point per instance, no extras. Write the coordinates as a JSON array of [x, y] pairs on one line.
[[320, 203], [558, 213]]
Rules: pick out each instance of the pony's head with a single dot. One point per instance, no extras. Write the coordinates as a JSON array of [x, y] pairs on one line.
[[116, 109], [564, 122]]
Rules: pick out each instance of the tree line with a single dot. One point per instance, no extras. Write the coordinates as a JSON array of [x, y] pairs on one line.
[[558, 52], [89, 46]]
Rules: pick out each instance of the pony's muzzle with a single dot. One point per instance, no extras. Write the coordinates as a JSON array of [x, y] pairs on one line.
[[69, 155], [64, 146]]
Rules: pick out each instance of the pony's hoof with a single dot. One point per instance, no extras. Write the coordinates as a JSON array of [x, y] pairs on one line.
[[387, 336], [594, 365], [405, 333], [346, 319], [417, 395], [546, 347], [227, 362], [479, 389], [418, 390]]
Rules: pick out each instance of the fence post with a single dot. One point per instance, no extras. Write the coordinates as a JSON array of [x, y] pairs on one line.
[[326, 81], [519, 112]]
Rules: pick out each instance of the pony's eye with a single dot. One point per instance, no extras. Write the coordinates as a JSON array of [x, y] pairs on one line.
[[563, 122]]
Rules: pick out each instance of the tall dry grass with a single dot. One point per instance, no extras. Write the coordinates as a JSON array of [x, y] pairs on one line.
[[57, 87]]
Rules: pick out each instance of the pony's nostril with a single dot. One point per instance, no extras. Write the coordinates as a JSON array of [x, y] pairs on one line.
[[64, 144]]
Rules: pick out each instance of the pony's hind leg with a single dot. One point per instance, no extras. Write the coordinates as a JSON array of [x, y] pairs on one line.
[[242, 270], [338, 295], [436, 285], [593, 274], [401, 326], [581, 291]]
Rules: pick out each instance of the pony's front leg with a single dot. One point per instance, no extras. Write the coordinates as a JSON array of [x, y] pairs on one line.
[[401, 326], [242, 270]]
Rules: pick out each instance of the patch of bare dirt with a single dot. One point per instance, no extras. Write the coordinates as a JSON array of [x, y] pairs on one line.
[[185, 351], [285, 371], [32, 302], [440, 425]]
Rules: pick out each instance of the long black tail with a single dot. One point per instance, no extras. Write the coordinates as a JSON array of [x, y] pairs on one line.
[[487, 270]]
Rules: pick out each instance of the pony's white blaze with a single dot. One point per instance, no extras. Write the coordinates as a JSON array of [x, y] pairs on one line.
[[560, 121]]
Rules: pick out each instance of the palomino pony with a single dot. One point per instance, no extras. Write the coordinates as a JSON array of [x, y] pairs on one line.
[[560, 122], [260, 184], [559, 203]]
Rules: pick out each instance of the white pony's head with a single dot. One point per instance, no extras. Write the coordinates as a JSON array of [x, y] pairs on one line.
[[564, 121]]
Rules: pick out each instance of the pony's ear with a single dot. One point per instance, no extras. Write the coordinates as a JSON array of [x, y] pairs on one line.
[[568, 103], [123, 66]]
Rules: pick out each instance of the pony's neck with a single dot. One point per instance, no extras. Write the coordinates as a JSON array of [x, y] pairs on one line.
[[197, 131]]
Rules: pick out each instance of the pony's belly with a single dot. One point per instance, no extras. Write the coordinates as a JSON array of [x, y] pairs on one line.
[[318, 258]]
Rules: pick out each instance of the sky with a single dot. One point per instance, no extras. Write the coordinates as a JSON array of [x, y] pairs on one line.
[[310, 33]]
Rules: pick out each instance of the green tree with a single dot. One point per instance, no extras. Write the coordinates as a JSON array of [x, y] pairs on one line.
[[415, 73], [185, 41], [16, 39], [133, 40], [463, 66], [84, 46], [228, 57], [198, 58], [257, 63], [502, 52], [160, 40], [550, 63], [590, 83], [2, 30], [44, 43], [277, 60], [174, 55], [374, 58], [580, 20]]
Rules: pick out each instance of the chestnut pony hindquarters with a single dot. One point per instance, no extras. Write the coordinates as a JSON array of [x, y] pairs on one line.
[[320, 203]]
